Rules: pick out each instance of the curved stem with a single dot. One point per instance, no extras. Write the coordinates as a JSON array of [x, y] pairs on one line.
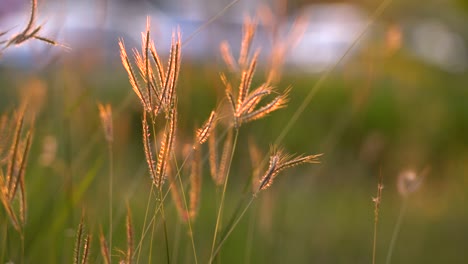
[[228, 233], [223, 195], [396, 230]]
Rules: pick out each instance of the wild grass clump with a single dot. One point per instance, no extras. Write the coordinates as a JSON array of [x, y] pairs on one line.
[[176, 161]]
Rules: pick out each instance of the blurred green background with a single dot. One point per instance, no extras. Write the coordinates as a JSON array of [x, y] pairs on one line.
[[380, 112]]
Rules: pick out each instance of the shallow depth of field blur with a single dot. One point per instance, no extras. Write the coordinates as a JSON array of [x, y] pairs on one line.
[[397, 101]]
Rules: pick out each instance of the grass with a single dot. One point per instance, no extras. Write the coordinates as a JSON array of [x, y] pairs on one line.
[[158, 204]]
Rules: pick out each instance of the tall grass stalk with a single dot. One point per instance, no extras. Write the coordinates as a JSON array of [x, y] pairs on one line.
[[189, 218], [223, 195], [111, 189], [377, 200]]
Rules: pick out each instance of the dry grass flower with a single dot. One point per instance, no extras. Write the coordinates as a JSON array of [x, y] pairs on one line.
[[280, 161]]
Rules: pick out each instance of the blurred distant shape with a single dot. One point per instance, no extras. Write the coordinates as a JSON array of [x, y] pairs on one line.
[[332, 30], [89, 32], [434, 42]]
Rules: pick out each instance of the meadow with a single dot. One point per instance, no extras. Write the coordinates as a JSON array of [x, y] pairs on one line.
[[162, 160]]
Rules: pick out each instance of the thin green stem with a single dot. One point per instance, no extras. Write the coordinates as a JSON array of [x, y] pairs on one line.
[[111, 186], [163, 215], [328, 71], [153, 225], [228, 233], [396, 230], [223, 195], [374, 244], [250, 237], [148, 203], [189, 221]]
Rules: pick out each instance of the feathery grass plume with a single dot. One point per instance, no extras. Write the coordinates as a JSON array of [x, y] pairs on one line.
[[129, 228], [6, 130], [409, 181], [245, 106], [280, 161], [30, 31], [172, 71], [226, 54], [20, 181], [86, 245], [225, 158], [281, 44], [14, 150], [166, 149], [158, 92], [7, 203], [104, 248], [16, 160], [131, 75], [248, 33], [105, 113], [195, 183], [79, 237], [203, 133], [147, 146]]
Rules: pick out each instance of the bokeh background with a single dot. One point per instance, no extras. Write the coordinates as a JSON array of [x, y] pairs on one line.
[[392, 100]]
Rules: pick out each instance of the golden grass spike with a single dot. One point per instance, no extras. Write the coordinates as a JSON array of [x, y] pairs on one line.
[[104, 248], [19, 169], [271, 172], [172, 71], [131, 74], [5, 132], [129, 228], [7, 203], [213, 151], [277, 103], [226, 54], [159, 65], [166, 148], [147, 147], [230, 98], [246, 81], [225, 157], [294, 161], [254, 98], [203, 133], [176, 67], [146, 41], [21, 173], [105, 113], [87, 243], [79, 236], [10, 177], [279, 162], [195, 183], [46, 40], [248, 32]]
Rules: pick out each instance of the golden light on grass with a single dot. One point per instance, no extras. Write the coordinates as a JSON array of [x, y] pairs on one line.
[[280, 161]]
